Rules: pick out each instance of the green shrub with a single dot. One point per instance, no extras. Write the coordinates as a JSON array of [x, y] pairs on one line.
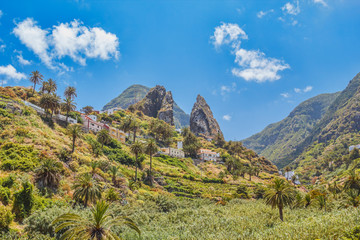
[[6, 218], [23, 201], [8, 181], [16, 156], [21, 132], [242, 191], [40, 221], [259, 191], [5, 113], [165, 204], [5, 195], [111, 195], [212, 180]]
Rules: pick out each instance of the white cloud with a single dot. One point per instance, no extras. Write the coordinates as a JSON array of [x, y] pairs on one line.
[[285, 95], [78, 42], [1, 13], [292, 9], [2, 47], [264, 13], [9, 72], [308, 89], [253, 65], [228, 33], [67, 39], [34, 38], [227, 117], [21, 59], [305, 90], [322, 2], [227, 89]]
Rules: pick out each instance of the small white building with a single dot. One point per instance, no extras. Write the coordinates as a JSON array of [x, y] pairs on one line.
[[92, 117], [289, 176], [173, 152], [208, 155], [63, 118], [111, 110], [353, 147]]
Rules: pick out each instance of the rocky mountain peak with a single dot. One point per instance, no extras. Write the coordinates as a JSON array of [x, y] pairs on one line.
[[157, 104], [202, 121]]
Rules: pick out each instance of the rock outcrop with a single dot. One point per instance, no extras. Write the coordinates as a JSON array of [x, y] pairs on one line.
[[166, 113], [202, 121], [157, 104]]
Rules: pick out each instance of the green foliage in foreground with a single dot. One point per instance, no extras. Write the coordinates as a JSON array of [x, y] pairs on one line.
[[173, 218]]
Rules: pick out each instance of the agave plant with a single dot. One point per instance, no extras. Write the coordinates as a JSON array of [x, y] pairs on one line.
[[98, 227]]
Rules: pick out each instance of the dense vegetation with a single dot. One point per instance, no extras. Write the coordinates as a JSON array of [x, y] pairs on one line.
[[56, 181]]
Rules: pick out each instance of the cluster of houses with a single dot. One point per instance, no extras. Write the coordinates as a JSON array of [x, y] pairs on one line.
[[203, 154], [90, 123]]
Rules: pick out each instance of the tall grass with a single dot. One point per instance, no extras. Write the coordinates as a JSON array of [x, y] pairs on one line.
[[239, 219]]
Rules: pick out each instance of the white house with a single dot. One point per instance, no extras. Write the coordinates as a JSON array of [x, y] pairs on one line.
[[92, 117], [173, 152], [111, 110], [63, 118], [208, 155], [353, 147], [289, 175]]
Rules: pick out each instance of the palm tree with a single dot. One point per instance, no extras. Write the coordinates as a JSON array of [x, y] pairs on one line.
[[87, 190], [50, 102], [74, 131], [352, 181], [68, 106], [48, 173], [70, 92], [36, 78], [126, 124], [99, 227], [134, 128], [114, 173], [279, 195], [151, 149], [103, 137], [137, 148]]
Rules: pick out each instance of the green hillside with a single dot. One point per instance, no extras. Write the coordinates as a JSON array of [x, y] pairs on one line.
[[325, 151], [280, 139], [135, 93]]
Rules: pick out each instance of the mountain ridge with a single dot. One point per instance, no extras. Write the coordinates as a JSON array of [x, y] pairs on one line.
[[136, 93]]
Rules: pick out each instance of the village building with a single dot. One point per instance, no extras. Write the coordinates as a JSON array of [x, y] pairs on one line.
[[173, 152], [89, 124], [111, 110], [352, 147], [208, 155], [116, 133]]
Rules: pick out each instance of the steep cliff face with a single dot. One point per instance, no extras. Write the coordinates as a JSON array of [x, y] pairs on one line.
[[166, 113], [202, 121], [157, 104]]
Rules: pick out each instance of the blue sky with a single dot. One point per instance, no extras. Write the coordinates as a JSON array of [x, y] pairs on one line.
[[253, 61]]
